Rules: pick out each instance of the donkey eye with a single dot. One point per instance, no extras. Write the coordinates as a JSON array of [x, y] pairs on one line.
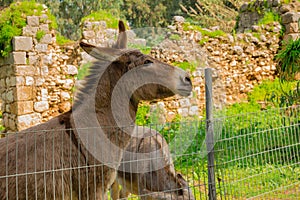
[[147, 62]]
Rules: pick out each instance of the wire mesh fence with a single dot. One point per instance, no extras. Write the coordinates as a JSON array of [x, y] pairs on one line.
[[256, 157]]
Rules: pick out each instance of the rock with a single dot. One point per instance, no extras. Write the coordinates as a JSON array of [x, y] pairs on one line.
[[291, 28], [33, 20], [41, 106], [19, 58], [46, 39], [42, 48], [290, 17], [238, 50], [284, 8], [178, 19], [194, 111], [64, 96], [184, 112], [72, 70], [184, 103], [64, 106], [26, 121]]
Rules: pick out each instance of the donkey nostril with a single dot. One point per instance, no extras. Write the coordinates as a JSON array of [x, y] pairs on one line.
[[187, 79]]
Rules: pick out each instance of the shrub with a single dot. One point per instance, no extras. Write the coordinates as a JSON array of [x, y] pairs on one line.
[[62, 40], [289, 60], [186, 65], [13, 19]]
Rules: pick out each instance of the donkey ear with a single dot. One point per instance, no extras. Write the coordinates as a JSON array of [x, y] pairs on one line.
[[101, 53], [106, 53], [122, 37]]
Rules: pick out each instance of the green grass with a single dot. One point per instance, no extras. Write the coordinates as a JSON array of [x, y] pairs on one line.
[[261, 92], [62, 40], [187, 26], [111, 19], [269, 17], [186, 65], [39, 35], [143, 49], [13, 19], [175, 37]]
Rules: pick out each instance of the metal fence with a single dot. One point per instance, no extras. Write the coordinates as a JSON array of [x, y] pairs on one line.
[[246, 156]]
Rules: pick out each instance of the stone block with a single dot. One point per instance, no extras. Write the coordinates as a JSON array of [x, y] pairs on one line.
[[292, 36], [19, 58], [25, 70], [22, 43], [29, 31], [46, 39], [41, 106], [22, 107], [29, 80], [9, 97], [33, 59], [291, 28], [44, 27], [20, 80], [28, 120], [290, 17], [10, 81], [23, 93], [33, 20], [41, 48], [88, 35]]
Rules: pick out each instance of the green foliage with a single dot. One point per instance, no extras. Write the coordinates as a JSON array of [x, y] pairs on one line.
[[12, 21], [62, 40], [267, 87], [269, 17], [111, 18], [142, 115], [40, 34], [289, 60], [186, 65], [205, 32], [143, 49], [83, 71]]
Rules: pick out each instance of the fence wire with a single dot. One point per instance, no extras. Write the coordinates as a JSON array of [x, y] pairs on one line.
[[256, 157]]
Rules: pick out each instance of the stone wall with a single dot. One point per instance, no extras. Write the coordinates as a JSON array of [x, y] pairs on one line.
[[251, 13], [37, 78]]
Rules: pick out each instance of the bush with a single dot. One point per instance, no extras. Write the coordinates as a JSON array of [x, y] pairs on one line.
[[13, 19], [289, 60]]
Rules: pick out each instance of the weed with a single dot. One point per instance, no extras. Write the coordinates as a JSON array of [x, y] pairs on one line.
[[39, 35]]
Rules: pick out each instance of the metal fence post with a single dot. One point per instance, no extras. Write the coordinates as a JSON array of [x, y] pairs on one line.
[[209, 134]]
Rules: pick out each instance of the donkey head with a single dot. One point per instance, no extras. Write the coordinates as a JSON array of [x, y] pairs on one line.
[[143, 77]]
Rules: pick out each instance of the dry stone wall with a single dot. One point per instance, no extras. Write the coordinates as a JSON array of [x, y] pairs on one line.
[[36, 79]]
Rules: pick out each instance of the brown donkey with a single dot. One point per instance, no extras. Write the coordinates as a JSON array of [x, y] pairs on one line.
[[54, 161], [151, 184]]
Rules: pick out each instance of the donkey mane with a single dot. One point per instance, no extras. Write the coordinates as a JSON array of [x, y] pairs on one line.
[[96, 70]]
